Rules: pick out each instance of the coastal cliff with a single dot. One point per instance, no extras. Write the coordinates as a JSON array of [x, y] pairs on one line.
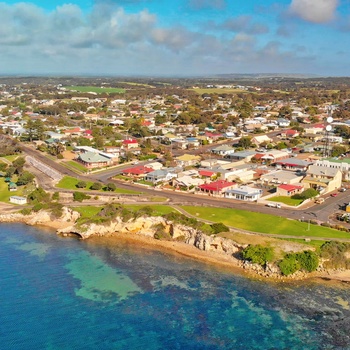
[[182, 239]]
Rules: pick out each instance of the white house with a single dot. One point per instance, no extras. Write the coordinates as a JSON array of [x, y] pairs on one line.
[[244, 193], [18, 200]]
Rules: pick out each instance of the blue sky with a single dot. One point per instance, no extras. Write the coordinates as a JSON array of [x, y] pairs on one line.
[[175, 37]]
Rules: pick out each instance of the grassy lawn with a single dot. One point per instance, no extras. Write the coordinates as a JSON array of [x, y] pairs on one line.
[[71, 164], [5, 194], [70, 183], [158, 210], [11, 158], [96, 89], [87, 211], [287, 200], [271, 224]]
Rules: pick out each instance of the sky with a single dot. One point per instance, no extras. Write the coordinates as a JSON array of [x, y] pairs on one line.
[[174, 37]]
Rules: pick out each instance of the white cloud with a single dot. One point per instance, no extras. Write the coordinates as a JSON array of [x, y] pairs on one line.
[[316, 11]]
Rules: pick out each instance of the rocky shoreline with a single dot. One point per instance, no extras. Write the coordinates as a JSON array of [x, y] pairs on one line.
[[184, 240]]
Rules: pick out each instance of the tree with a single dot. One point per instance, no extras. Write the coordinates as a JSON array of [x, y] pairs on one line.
[[96, 186], [81, 184], [38, 196], [338, 150], [245, 142], [18, 164], [25, 178], [111, 187]]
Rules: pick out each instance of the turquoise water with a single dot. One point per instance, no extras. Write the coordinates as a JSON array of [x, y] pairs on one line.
[[61, 293]]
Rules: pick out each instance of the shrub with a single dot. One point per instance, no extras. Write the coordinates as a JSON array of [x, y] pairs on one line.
[[289, 264], [308, 260], [79, 196], [37, 207], [219, 227], [26, 211], [258, 254], [39, 195], [25, 178], [81, 184], [111, 187], [56, 196], [335, 254], [309, 193], [96, 186]]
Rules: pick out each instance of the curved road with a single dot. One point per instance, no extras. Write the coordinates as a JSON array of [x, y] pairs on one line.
[[320, 212]]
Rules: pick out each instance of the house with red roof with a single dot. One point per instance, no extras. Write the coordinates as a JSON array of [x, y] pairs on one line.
[[290, 133], [73, 132], [289, 190], [130, 143], [139, 171], [206, 173], [216, 188]]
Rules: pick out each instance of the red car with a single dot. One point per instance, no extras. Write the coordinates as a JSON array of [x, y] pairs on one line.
[[334, 194]]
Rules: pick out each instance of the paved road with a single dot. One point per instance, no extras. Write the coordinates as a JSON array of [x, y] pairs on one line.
[[319, 212]]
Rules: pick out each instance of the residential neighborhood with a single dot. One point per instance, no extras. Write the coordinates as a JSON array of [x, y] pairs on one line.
[[223, 145]]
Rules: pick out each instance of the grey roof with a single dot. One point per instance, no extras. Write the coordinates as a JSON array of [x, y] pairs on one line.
[[91, 157]]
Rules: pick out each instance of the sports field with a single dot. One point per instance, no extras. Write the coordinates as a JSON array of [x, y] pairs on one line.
[[95, 89]]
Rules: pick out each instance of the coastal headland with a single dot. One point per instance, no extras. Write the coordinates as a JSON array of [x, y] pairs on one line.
[[184, 241]]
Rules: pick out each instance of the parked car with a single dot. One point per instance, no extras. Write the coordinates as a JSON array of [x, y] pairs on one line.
[[273, 205], [343, 189], [334, 194], [319, 200]]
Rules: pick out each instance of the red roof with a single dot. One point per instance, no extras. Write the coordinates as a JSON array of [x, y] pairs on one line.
[[290, 187], [129, 141], [319, 126], [138, 170], [292, 132], [259, 155], [217, 185], [207, 173]]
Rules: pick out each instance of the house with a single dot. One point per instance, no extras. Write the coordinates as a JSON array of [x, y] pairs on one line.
[[205, 173], [18, 200], [277, 177], [289, 190], [137, 171], [187, 160], [12, 187], [283, 123], [244, 193], [342, 164], [241, 156], [94, 160], [293, 164], [258, 140], [290, 133], [73, 132], [187, 181], [223, 150], [165, 174], [130, 143], [155, 165], [216, 188], [322, 178]]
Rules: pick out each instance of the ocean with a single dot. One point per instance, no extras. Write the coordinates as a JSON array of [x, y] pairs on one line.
[[64, 293]]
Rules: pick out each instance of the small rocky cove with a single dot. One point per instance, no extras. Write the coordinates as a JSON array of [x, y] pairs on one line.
[[216, 249]]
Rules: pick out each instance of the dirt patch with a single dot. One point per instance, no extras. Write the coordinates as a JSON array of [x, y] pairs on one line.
[[69, 155]]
